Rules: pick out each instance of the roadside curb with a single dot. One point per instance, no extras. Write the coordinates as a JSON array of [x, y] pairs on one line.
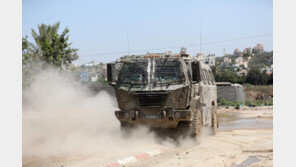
[[135, 158]]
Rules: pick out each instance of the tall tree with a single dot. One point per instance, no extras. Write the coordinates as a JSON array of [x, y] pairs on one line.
[[54, 48], [254, 76], [29, 51], [30, 61], [25, 47], [270, 79]]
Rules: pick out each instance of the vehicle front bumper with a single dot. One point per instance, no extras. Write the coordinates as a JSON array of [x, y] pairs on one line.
[[164, 119]]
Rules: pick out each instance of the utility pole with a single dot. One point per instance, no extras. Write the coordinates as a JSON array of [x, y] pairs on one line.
[[200, 40]]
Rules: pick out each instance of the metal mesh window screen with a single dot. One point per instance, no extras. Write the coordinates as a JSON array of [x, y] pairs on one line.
[[166, 71], [134, 72], [189, 73]]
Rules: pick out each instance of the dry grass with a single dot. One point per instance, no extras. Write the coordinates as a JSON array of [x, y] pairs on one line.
[[259, 92]]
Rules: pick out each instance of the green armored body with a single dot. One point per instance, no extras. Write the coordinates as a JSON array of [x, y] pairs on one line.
[[164, 90]]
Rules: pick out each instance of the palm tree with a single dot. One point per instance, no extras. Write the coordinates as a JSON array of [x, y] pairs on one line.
[[46, 32], [52, 47]]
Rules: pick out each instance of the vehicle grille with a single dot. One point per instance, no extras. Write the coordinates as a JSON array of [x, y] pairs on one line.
[[152, 99]]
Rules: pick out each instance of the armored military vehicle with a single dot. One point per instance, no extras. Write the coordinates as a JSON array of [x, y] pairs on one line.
[[164, 90]]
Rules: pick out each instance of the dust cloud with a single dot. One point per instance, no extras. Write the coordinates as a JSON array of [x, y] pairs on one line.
[[62, 117]]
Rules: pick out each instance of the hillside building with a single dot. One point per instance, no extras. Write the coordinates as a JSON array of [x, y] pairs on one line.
[[258, 48], [248, 50], [237, 52]]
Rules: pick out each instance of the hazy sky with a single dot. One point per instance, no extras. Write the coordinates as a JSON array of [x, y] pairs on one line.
[[99, 28]]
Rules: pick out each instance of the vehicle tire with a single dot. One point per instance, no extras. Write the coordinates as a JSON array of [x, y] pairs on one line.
[[214, 120], [196, 124], [125, 128]]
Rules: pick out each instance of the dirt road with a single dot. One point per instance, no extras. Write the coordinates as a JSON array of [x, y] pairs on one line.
[[245, 138]]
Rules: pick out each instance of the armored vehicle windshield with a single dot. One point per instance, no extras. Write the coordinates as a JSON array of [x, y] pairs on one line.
[[151, 71], [134, 72], [168, 71]]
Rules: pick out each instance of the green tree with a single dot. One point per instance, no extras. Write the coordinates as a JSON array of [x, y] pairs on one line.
[[30, 62], [29, 51], [264, 78], [246, 55], [214, 70], [229, 76], [270, 79], [261, 60], [253, 76], [25, 49], [54, 48]]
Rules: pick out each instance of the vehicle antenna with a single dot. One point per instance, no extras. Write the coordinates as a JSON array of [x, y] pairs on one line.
[[200, 42], [128, 47]]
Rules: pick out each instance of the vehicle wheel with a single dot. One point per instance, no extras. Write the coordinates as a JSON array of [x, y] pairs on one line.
[[196, 124], [125, 128], [214, 120]]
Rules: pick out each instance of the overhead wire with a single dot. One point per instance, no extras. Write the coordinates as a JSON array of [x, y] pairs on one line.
[[175, 47]]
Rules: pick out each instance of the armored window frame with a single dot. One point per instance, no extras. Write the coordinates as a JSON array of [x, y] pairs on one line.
[[164, 72], [189, 70], [110, 72], [140, 67], [196, 71]]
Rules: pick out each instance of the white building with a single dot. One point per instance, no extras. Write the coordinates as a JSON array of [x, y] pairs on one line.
[[207, 59], [92, 63], [210, 59], [226, 62], [242, 72], [268, 70], [94, 78], [239, 61], [200, 56], [75, 64]]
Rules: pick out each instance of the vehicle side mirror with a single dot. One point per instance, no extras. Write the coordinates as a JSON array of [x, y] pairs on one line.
[[195, 72], [111, 74]]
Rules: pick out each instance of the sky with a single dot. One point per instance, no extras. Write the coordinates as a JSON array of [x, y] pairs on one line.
[[104, 30]]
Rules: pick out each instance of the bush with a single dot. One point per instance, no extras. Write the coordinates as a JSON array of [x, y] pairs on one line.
[[247, 85], [227, 103], [268, 103], [223, 102], [257, 103], [249, 103], [237, 105]]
